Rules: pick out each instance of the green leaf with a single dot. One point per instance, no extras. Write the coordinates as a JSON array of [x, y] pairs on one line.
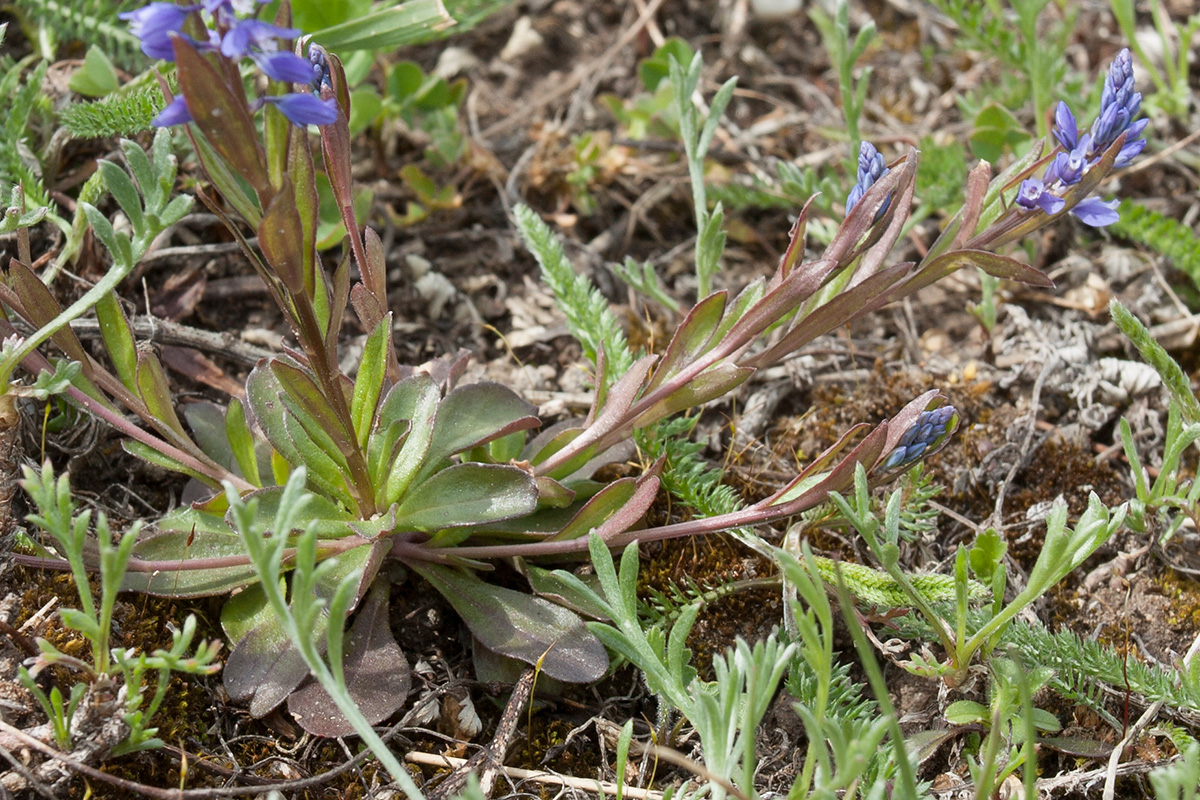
[[121, 187], [327, 518], [475, 414], [468, 494], [187, 535], [118, 338], [155, 392], [96, 77], [519, 626], [966, 712], [411, 22], [654, 70], [1173, 376], [414, 399], [368, 384], [281, 237], [241, 441]]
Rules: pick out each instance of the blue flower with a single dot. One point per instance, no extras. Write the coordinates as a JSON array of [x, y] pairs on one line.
[[1096, 212], [319, 59], [259, 41], [304, 108], [1033, 194], [924, 433], [871, 167], [176, 113], [154, 25], [1069, 167], [1119, 104]]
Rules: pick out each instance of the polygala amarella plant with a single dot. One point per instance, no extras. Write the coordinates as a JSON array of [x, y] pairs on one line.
[[411, 464]]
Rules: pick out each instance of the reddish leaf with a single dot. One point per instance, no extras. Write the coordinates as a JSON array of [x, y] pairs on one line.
[[377, 674]]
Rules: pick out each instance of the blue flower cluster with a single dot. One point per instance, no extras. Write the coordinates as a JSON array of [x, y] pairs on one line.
[[871, 167], [1119, 104], [924, 433], [234, 38]]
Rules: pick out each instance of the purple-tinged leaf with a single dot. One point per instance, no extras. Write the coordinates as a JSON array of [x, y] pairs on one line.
[[468, 494], [948, 263], [473, 415], [714, 382], [849, 241], [795, 248], [38, 306], [849, 304], [222, 116], [519, 626], [377, 675], [617, 402], [281, 237], [335, 144], [896, 217], [615, 509], [838, 479], [779, 301], [265, 667], [301, 387], [691, 338]]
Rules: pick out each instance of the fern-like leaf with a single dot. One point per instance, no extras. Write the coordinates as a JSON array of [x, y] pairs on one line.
[[1162, 234], [125, 112], [589, 318]]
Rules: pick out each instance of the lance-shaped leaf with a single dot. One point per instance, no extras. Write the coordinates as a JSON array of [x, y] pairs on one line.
[[777, 304], [691, 338], [156, 394], [714, 382], [37, 304], [615, 509], [413, 401], [118, 338], [468, 494], [242, 443], [377, 675], [519, 626], [860, 229], [795, 248], [300, 387], [850, 303], [281, 237], [221, 115], [621, 395], [327, 518], [991, 263], [368, 383], [265, 667]]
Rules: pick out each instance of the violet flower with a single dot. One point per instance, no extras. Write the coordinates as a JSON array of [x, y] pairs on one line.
[[154, 25], [924, 434], [235, 39], [259, 41], [871, 167], [1119, 104], [304, 108]]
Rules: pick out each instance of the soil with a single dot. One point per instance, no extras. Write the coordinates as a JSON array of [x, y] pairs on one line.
[[1039, 395]]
